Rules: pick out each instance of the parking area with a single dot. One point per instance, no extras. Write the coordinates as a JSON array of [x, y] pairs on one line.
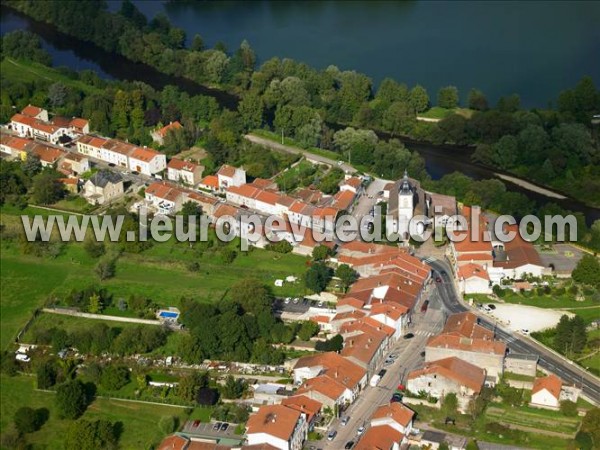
[[210, 429], [562, 257], [298, 305]]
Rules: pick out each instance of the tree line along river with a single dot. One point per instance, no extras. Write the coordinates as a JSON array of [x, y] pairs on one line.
[[77, 55]]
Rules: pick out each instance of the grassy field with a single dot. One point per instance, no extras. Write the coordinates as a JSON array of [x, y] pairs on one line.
[[540, 419], [140, 421], [438, 112], [158, 273], [27, 71]]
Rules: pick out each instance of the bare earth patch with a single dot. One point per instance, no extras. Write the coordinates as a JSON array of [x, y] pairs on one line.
[[521, 317]]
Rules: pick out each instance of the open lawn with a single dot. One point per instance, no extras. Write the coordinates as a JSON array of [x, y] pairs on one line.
[[27, 71], [438, 112], [159, 273], [140, 421]]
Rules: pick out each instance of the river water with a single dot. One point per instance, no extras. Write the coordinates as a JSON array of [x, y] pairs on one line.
[[66, 51]]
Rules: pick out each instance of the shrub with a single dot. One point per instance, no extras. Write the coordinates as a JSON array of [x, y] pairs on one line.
[[28, 420], [568, 408], [168, 424]]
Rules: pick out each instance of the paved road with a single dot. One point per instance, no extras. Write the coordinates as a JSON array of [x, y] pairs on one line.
[[409, 358], [568, 371], [298, 151]]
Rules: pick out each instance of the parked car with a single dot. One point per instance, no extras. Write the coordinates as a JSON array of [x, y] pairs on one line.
[[360, 430], [196, 423], [409, 336], [387, 362], [331, 436], [224, 426], [424, 306], [287, 300], [438, 279], [349, 445], [111, 164], [345, 421], [492, 306], [320, 304], [382, 372], [525, 331], [296, 300], [340, 163], [396, 398], [217, 426]]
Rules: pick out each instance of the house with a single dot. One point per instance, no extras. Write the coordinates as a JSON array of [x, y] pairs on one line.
[[15, 146], [365, 343], [230, 176], [380, 438], [473, 279], [516, 258], [74, 164], [48, 156], [546, 392], [391, 315], [280, 426], [449, 375], [185, 172], [311, 408], [102, 187], [147, 161], [327, 391], [210, 183], [160, 134], [351, 184], [33, 122], [351, 376], [440, 208], [70, 184], [165, 197]]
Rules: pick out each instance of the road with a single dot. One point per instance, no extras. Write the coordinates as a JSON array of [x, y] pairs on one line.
[[298, 151], [568, 371], [409, 358]]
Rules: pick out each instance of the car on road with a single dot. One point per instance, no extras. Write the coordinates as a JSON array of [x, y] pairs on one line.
[[422, 354], [380, 193], [331, 436], [424, 306], [345, 421], [397, 397], [387, 362], [111, 164], [360, 430], [392, 356], [491, 306], [217, 426], [409, 336], [349, 445], [525, 331], [224, 426], [382, 372]]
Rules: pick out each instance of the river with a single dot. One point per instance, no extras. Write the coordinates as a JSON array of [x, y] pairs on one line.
[[66, 51]]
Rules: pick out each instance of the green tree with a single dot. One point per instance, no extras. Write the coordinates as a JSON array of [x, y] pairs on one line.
[[233, 388], [190, 384], [317, 277], [568, 408], [398, 118], [71, 399], [448, 97], [47, 189], [168, 424], [346, 274], [591, 425], [57, 94], [510, 103], [251, 110], [95, 306], [32, 165], [335, 344], [251, 294], [472, 445], [114, 377], [587, 271], [28, 420], [307, 330], [92, 247], [46, 375], [477, 100], [106, 268], [506, 152], [450, 404], [419, 99], [197, 43], [321, 253], [91, 435]]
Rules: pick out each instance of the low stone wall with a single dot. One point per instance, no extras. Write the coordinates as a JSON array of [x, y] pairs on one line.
[[421, 401]]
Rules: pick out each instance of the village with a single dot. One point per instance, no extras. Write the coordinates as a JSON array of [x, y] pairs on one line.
[[421, 325]]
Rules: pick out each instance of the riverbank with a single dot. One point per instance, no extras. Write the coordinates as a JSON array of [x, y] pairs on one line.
[[531, 187]]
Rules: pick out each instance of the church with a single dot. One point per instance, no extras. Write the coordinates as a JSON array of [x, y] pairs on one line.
[[406, 213]]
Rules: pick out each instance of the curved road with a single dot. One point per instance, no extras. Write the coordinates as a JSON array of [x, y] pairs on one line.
[[568, 371]]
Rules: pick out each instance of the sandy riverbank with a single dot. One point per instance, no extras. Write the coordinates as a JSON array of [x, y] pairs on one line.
[[529, 186]]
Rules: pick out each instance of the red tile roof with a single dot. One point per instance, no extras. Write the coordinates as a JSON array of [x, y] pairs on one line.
[[179, 164], [335, 367], [462, 372], [172, 126], [379, 438], [31, 111], [473, 270], [211, 181], [465, 324], [226, 171], [144, 154], [304, 405], [275, 420], [457, 342], [395, 411], [551, 383], [324, 385]]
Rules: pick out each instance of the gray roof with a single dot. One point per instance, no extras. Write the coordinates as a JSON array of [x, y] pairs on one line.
[[103, 177], [434, 436]]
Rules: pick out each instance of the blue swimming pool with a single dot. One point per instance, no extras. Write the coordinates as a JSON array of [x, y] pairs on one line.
[[169, 315]]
